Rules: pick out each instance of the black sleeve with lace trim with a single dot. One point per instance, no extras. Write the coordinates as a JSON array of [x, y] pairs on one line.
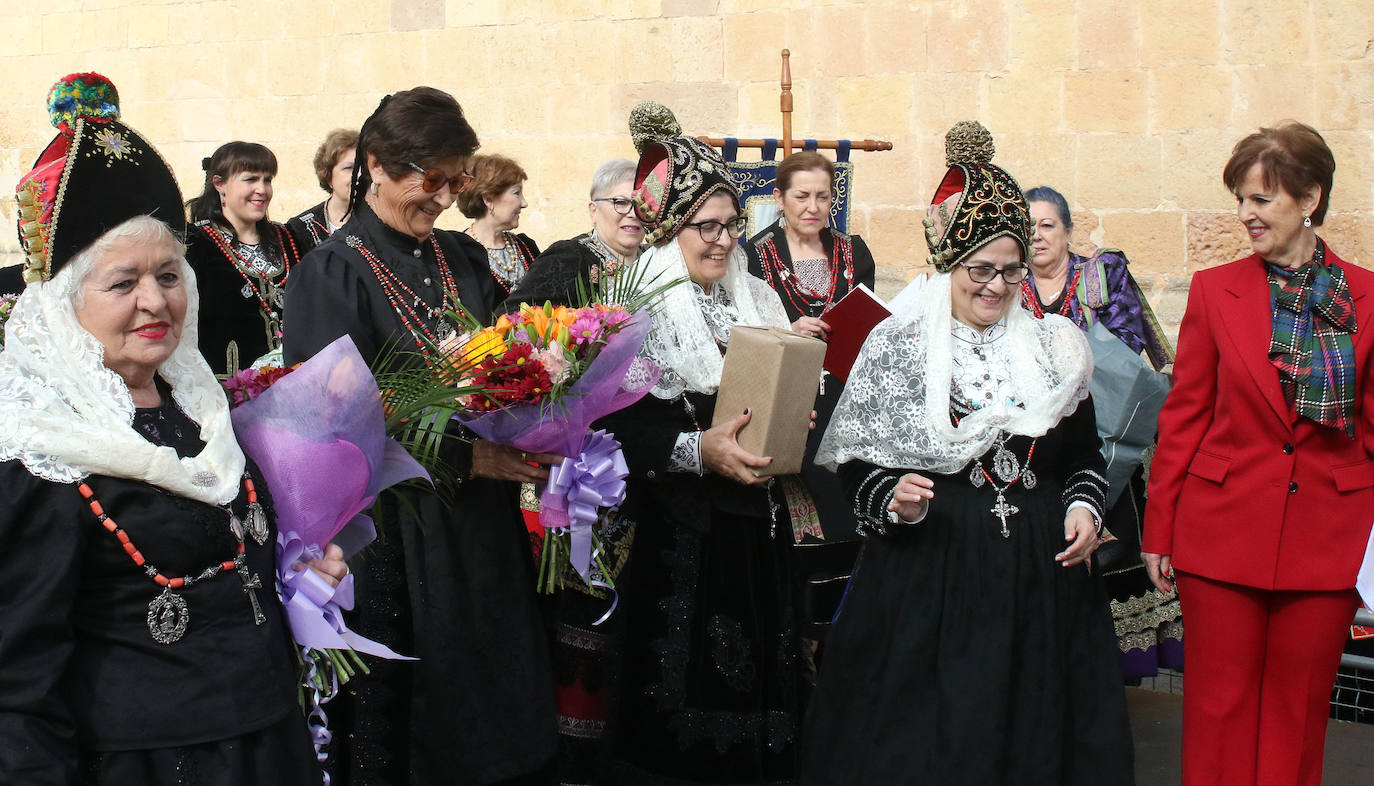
[[1085, 470], [869, 490]]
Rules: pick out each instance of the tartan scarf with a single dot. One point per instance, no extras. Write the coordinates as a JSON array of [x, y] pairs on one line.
[[1314, 318]]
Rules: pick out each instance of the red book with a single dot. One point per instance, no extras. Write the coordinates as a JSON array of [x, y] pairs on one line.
[[850, 321]]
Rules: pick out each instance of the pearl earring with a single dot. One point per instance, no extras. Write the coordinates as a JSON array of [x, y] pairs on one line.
[[1307, 221]]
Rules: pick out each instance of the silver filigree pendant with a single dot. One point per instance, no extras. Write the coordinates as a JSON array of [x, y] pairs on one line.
[[1006, 466], [257, 523], [975, 475], [1027, 478], [168, 617]]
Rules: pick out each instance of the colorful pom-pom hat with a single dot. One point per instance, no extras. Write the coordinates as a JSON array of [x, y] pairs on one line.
[[977, 201], [95, 175]]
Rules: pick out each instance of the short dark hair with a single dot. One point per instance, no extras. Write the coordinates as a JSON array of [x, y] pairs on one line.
[[491, 174], [1050, 196], [420, 126], [330, 151], [228, 160], [805, 161], [1291, 155]]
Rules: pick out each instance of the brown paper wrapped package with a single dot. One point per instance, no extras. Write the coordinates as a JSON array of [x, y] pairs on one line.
[[774, 373]]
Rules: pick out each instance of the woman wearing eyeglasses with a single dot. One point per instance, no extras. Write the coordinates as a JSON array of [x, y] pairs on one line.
[[451, 584], [973, 645], [493, 201], [709, 690], [592, 257]]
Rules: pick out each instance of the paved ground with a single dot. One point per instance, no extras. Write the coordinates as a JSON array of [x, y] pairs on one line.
[[1156, 723]]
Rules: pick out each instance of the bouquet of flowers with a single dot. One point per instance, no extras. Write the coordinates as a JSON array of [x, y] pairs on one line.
[[317, 433], [6, 306], [544, 374]]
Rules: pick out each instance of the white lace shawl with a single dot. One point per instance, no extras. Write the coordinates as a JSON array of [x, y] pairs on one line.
[[65, 416], [681, 342], [895, 409]]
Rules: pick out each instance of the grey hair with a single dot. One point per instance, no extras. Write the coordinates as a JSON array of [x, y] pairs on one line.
[[611, 174], [141, 229], [1049, 195]]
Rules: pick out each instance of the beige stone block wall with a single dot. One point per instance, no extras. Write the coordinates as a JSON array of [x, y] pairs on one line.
[[1129, 108]]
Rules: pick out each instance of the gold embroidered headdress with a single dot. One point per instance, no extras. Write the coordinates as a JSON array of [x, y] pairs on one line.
[[977, 201], [96, 174]]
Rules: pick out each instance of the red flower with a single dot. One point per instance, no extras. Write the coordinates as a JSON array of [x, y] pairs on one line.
[[513, 377]]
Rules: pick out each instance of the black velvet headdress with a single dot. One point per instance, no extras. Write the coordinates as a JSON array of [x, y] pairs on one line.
[[674, 178], [97, 174], [988, 203]]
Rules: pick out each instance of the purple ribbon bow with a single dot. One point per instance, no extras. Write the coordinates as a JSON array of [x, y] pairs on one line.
[[577, 487]]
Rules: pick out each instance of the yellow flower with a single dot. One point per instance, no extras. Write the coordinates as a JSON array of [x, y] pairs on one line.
[[487, 342]]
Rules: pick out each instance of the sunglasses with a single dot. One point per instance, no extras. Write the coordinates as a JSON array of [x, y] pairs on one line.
[[435, 180]]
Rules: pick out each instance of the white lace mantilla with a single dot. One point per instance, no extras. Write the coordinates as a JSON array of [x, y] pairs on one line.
[[895, 409], [66, 416], [688, 322]]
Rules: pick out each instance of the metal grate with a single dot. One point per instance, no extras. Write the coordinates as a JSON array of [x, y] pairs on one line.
[[1352, 698]]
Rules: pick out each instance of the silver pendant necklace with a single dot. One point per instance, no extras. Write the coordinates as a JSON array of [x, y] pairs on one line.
[[1009, 470]]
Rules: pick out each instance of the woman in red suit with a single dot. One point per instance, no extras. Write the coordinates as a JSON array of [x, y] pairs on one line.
[[1262, 491]]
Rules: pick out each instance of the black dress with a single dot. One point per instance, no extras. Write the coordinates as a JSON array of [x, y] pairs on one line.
[[586, 649], [821, 564], [242, 295], [453, 586], [709, 689], [563, 269], [310, 227], [964, 657], [12, 280], [87, 696]]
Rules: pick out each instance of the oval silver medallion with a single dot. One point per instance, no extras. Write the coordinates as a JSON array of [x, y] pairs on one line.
[[168, 616]]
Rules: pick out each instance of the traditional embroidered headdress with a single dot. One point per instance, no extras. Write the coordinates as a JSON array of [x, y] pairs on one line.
[[67, 200], [63, 413], [674, 179], [977, 201], [651, 121]]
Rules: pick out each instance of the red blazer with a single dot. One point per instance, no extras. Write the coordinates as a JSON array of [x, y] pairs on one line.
[[1241, 490]]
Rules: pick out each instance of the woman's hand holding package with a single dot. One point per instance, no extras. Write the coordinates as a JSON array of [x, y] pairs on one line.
[[721, 453], [1081, 530]]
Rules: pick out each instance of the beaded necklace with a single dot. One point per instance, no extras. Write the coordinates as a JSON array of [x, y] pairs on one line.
[[1030, 300], [270, 296], [168, 614], [785, 280], [1010, 470], [404, 301], [508, 267]]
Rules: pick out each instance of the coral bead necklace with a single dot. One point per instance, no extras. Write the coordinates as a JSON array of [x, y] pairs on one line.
[[168, 614], [404, 301]]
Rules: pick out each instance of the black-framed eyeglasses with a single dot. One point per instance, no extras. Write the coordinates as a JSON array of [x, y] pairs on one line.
[[621, 205], [435, 180], [984, 274], [710, 230]]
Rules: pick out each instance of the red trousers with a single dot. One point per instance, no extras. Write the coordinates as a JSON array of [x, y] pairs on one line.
[[1260, 666]]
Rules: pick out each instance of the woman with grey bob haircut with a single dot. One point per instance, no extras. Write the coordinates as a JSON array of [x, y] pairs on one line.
[[612, 243]]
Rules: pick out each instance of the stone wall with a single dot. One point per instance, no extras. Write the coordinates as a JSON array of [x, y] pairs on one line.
[[1130, 108]]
